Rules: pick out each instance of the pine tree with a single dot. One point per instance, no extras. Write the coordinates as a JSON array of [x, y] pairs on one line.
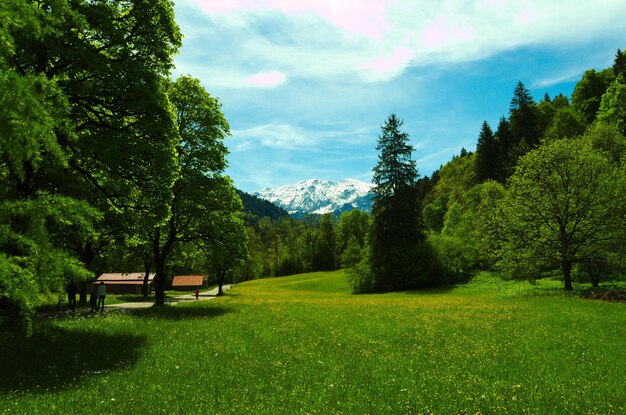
[[524, 117], [395, 170], [486, 154], [619, 63], [397, 226], [503, 143]]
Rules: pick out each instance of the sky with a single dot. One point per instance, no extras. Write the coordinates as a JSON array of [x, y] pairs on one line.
[[307, 84]]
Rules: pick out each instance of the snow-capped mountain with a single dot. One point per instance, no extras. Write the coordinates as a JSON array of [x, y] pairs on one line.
[[320, 196]]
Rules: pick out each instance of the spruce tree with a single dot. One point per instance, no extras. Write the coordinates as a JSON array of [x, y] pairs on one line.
[[619, 64], [524, 117], [395, 170], [486, 154], [397, 226], [503, 143]]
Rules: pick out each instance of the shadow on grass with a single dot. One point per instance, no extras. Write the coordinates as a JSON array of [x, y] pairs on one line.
[[55, 358], [180, 312]]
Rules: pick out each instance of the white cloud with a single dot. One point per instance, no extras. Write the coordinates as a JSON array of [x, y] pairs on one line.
[[281, 136], [377, 40], [267, 79], [286, 136]]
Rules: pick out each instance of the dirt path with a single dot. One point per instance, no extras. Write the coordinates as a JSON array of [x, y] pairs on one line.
[[204, 296]]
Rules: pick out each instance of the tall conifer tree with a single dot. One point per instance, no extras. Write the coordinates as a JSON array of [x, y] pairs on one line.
[[486, 154], [397, 226], [503, 144], [619, 63], [524, 117]]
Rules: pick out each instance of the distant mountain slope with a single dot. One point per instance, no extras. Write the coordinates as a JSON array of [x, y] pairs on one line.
[[260, 207], [320, 196]]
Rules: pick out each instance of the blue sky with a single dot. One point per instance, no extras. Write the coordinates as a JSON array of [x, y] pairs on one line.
[[306, 84]]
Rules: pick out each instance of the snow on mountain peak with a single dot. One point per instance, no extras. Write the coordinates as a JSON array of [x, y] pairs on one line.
[[320, 196]]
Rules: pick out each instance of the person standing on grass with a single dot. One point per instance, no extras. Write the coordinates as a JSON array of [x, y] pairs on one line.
[[102, 293], [93, 298], [197, 293], [71, 295]]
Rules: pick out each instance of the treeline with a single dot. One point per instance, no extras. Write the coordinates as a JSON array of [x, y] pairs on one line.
[[544, 193], [287, 246], [106, 164]]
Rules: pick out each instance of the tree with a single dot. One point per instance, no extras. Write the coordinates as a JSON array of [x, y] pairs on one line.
[[486, 154], [397, 223], [202, 194], [352, 224], [613, 105], [227, 249], [83, 113], [588, 93], [351, 256], [566, 123], [524, 117], [324, 258], [565, 203], [504, 142], [619, 63]]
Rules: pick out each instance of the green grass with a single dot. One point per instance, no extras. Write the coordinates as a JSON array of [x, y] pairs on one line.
[[304, 344]]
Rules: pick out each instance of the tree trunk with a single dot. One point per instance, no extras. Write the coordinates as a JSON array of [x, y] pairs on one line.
[[595, 279], [220, 282], [159, 268], [159, 282], [86, 255], [144, 287], [566, 266], [160, 255]]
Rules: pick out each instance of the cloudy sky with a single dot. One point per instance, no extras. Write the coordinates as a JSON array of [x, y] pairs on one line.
[[306, 84]]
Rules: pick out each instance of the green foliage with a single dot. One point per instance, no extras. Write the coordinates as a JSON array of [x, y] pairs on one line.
[[30, 260], [588, 93], [351, 256], [31, 108], [504, 141], [487, 226], [433, 214], [565, 203], [360, 276], [524, 117], [205, 206], [607, 140], [398, 259], [567, 123], [486, 155], [353, 224], [324, 258], [395, 170], [256, 206], [619, 63], [613, 105], [454, 253], [455, 178]]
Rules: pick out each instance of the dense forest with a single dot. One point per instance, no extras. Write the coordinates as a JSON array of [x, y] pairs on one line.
[[108, 164]]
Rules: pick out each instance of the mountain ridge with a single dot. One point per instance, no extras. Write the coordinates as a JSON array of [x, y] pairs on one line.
[[320, 196]]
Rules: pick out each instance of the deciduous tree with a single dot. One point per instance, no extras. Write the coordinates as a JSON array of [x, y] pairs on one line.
[[202, 194], [565, 203]]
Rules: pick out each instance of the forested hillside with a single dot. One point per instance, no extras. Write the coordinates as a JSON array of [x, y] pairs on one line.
[[543, 192], [260, 207]]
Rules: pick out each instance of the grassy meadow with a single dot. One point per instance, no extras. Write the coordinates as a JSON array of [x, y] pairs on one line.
[[305, 345]]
